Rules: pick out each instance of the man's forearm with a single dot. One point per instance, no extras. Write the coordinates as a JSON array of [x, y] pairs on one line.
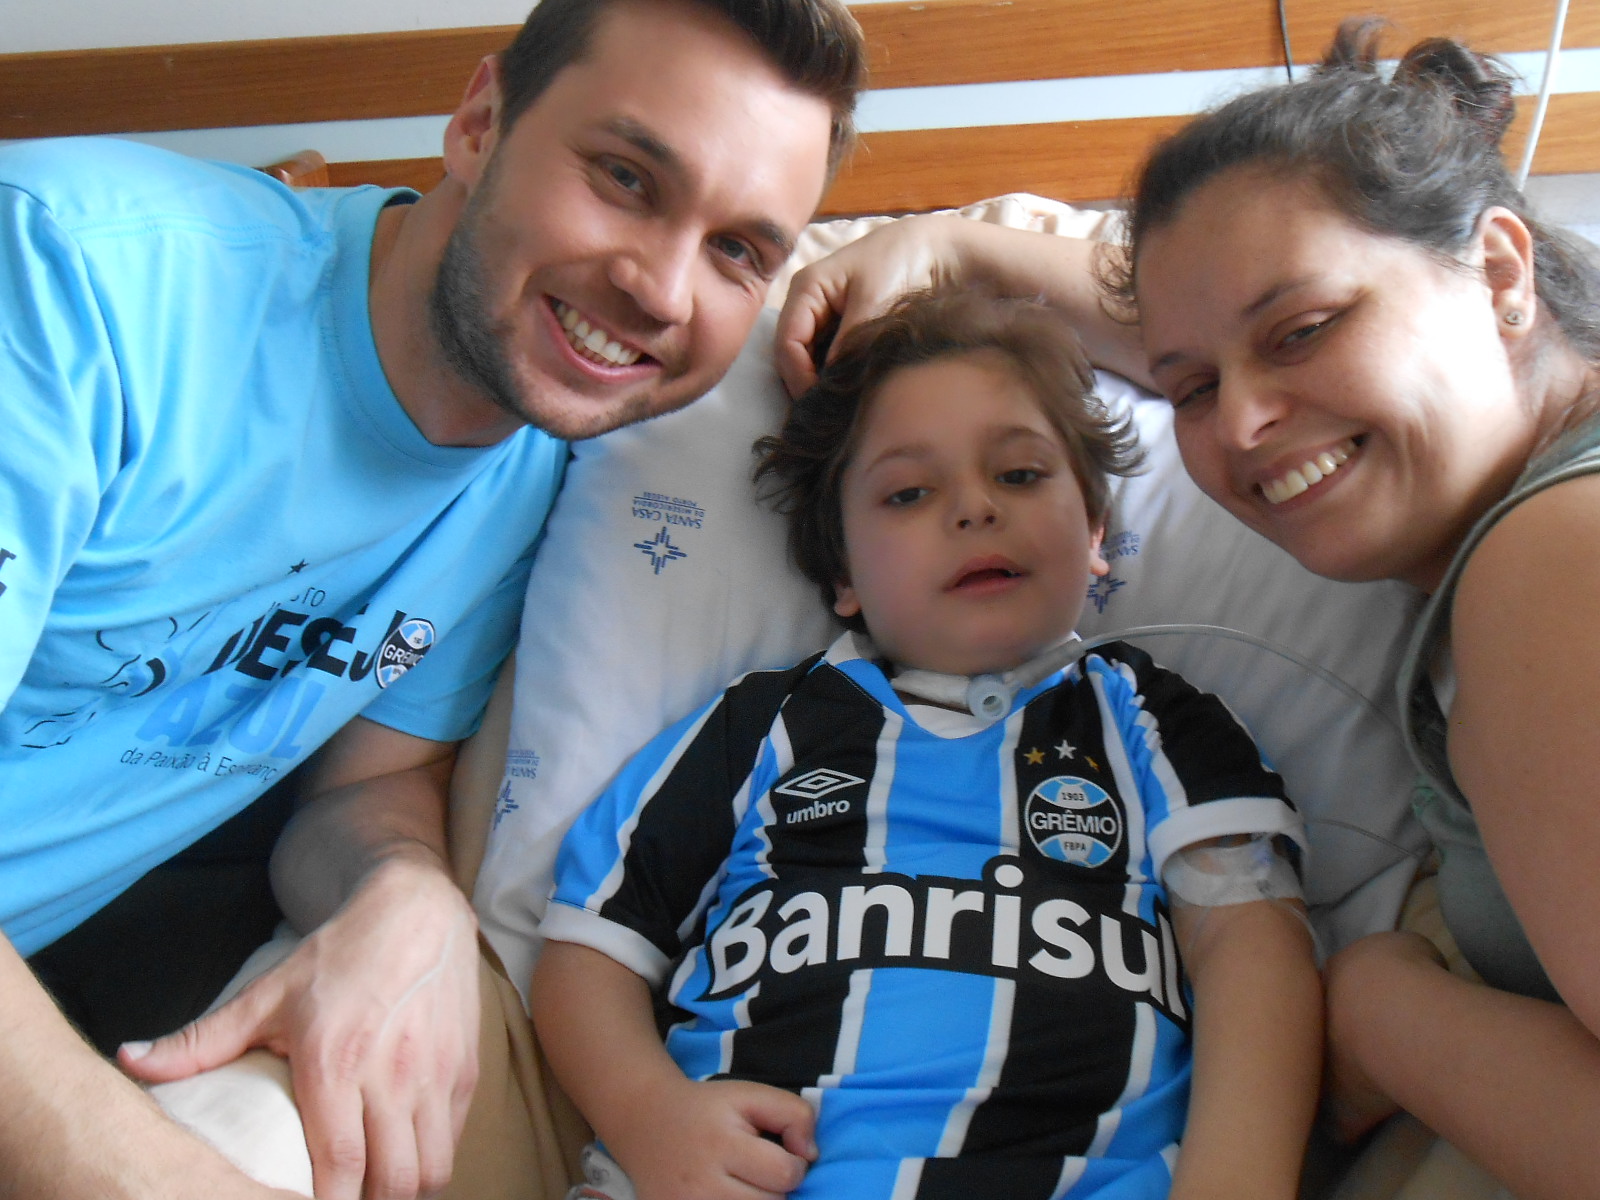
[[356, 821], [73, 1128], [377, 1008]]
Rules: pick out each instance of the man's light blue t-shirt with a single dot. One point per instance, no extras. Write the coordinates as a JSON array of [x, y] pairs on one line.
[[221, 536]]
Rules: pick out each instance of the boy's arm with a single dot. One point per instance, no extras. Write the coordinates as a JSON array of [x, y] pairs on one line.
[[1257, 1050], [676, 1139]]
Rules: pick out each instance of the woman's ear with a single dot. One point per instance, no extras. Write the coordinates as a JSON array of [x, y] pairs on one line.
[[474, 128], [1506, 245]]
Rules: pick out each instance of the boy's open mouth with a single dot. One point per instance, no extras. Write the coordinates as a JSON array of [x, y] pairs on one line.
[[979, 576]]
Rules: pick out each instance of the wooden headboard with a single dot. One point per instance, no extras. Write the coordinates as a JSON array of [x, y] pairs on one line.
[[921, 44]]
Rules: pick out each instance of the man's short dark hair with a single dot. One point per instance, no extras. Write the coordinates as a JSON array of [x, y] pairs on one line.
[[815, 44], [801, 468]]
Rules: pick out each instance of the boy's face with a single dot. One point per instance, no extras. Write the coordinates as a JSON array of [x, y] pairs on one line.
[[966, 537]]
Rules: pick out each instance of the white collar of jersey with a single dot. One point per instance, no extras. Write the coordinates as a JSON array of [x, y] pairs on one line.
[[985, 696]]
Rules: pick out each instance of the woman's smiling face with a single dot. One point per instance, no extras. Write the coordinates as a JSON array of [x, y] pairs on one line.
[[1349, 396]]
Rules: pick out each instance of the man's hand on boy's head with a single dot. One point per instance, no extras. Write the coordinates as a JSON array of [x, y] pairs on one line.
[[709, 1141]]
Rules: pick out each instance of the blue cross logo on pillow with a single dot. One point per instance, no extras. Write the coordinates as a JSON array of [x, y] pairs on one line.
[[1074, 821], [660, 550]]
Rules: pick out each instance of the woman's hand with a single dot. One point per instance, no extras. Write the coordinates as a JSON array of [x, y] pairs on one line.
[[861, 280]]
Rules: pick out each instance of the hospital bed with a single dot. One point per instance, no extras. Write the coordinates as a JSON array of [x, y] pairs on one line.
[[660, 578]]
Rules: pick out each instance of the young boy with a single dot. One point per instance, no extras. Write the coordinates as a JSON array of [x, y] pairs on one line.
[[902, 950]]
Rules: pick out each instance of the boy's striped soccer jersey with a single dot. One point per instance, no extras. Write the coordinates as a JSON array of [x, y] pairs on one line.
[[957, 948]]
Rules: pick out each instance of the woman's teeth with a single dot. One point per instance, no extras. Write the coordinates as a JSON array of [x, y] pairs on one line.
[[1313, 470], [592, 342]]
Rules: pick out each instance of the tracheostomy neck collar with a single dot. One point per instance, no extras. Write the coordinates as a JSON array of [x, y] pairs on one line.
[[989, 697]]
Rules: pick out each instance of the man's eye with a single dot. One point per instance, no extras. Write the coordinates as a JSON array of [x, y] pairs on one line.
[[625, 177], [905, 496], [740, 254], [1020, 476]]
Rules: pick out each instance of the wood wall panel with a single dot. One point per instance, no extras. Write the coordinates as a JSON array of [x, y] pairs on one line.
[[1570, 142], [423, 72], [418, 173], [963, 41], [945, 168], [224, 84], [1095, 160], [981, 41], [1496, 26], [1079, 160]]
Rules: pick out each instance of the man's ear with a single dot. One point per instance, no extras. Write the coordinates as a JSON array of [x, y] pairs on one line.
[[845, 603], [1097, 563], [1507, 249], [474, 128]]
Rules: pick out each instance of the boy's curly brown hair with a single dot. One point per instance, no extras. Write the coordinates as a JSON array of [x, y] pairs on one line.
[[801, 468]]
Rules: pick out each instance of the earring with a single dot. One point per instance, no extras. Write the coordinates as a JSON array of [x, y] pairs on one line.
[[1514, 317]]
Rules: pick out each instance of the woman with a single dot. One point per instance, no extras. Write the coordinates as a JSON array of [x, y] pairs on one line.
[[1382, 362]]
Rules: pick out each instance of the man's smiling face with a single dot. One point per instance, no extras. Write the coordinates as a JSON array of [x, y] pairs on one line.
[[618, 244]]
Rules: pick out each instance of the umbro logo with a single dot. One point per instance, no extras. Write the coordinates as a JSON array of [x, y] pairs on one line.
[[815, 784]]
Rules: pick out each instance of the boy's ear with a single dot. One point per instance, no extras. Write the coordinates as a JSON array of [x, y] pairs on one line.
[[845, 603], [1097, 563]]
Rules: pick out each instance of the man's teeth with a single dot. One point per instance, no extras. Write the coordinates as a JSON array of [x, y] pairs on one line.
[[1313, 470], [592, 342]]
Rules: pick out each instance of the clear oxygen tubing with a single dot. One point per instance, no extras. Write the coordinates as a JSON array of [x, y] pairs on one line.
[[990, 697], [1552, 56]]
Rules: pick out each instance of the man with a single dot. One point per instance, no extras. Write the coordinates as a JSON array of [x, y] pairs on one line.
[[270, 468]]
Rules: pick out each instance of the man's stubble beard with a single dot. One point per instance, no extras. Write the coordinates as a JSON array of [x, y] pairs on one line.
[[474, 348]]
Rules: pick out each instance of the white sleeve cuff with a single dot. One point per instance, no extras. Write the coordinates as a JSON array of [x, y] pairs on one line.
[[565, 922], [1241, 815]]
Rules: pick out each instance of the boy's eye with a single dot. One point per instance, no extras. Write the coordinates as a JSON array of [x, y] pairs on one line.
[[905, 496], [1020, 476]]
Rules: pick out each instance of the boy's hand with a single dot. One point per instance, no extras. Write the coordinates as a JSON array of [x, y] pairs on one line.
[[706, 1141]]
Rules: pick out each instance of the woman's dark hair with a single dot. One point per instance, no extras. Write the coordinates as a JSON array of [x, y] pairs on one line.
[[802, 468], [1415, 157], [815, 44]]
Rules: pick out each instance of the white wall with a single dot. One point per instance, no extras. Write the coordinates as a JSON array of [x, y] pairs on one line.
[[78, 24]]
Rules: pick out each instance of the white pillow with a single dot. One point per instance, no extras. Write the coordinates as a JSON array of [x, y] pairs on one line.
[[660, 579]]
